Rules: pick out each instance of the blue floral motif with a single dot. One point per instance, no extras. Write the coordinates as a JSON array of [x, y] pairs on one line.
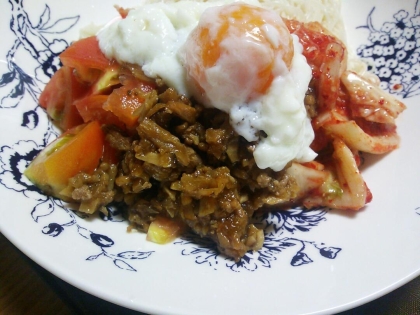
[[13, 161], [53, 229], [279, 228], [115, 213], [31, 38], [393, 52]]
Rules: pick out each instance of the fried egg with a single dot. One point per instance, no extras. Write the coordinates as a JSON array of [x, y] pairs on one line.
[[234, 56]]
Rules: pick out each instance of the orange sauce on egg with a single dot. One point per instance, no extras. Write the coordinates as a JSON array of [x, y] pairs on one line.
[[247, 22]]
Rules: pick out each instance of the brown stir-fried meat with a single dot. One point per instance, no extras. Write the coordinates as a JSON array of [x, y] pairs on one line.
[[186, 162]]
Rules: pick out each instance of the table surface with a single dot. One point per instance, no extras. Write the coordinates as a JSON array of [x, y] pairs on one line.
[[26, 288]]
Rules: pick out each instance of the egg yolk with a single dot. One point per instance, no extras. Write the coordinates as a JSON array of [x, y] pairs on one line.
[[251, 46]]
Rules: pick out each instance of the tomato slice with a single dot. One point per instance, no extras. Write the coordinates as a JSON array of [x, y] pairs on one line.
[[91, 108], [126, 100], [110, 155], [58, 97], [77, 150], [53, 95], [71, 117], [85, 53], [87, 58], [124, 103]]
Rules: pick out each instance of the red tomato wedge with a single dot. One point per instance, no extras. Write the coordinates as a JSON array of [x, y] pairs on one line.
[[71, 117], [86, 57], [125, 102], [110, 154], [58, 97], [85, 53], [91, 108], [77, 150]]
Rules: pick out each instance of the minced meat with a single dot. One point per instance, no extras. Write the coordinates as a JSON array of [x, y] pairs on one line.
[[186, 162]]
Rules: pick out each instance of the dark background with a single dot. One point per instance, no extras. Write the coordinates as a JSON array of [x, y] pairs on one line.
[[26, 288]]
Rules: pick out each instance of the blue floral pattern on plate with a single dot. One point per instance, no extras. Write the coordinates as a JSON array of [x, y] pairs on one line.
[[393, 52], [279, 228], [284, 231]]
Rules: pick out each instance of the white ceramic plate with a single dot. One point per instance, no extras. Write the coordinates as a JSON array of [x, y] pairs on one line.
[[312, 262]]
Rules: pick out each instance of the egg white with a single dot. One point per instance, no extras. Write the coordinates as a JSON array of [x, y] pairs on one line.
[[151, 36], [284, 119]]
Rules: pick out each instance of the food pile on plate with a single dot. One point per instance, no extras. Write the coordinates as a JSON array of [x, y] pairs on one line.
[[196, 115]]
